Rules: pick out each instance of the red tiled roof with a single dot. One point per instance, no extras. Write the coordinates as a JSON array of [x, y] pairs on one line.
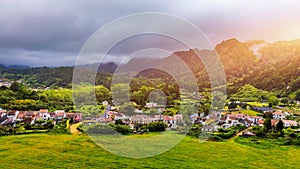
[[260, 121], [29, 113], [274, 122], [11, 112], [248, 121], [232, 118], [60, 113], [292, 122], [105, 119], [240, 115], [166, 118], [44, 110], [279, 113], [36, 113], [21, 114], [256, 117]]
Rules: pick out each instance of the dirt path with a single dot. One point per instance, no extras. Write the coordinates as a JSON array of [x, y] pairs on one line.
[[239, 133], [73, 128]]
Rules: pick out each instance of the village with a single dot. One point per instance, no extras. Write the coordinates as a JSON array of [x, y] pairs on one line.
[[212, 122], [12, 117]]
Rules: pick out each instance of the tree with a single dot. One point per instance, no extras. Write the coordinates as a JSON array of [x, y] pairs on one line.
[[268, 115], [15, 86], [6, 96], [127, 109], [123, 129], [119, 121], [102, 93], [273, 101], [268, 124], [297, 94], [284, 100], [249, 93], [279, 126], [295, 84], [232, 105], [156, 126]]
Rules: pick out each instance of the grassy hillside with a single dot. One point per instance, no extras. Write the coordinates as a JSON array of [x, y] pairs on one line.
[[77, 151]]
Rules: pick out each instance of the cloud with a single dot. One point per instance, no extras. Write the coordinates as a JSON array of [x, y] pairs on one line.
[[52, 32]]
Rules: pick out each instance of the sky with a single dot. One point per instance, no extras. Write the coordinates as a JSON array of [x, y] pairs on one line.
[[53, 32]]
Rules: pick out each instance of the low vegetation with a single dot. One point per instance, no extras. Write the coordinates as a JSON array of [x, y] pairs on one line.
[[78, 151]]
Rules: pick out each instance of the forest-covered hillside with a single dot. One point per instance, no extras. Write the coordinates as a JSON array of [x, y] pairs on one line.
[[271, 66]]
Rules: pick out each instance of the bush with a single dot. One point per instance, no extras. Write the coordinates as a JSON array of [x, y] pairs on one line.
[[79, 128], [227, 135], [123, 129], [119, 121], [100, 129], [259, 132], [195, 130], [156, 126], [215, 138], [61, 128]]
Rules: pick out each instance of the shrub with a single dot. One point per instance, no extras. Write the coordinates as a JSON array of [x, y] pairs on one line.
[[123, 129], [79, 128], [119, 121], [215, 138], [100, 129], [157, 126], [227, 135], [195, 130]]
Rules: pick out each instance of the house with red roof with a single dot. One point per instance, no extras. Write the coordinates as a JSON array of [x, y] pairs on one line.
[[77, 117], [12, 114], [60, 114], [21, 116], [2, 113], [260, 123], [289, 123], [278, 115], [255, 119], [274, 122], [44, 114]]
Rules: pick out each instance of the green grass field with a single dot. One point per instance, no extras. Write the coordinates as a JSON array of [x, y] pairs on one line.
[[258, 104], [248, 112], [78, 151]]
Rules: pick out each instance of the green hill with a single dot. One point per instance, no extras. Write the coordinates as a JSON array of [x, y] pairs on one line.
[[77, 151]]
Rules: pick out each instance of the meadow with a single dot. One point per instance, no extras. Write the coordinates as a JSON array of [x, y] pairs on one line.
[[248, 112], [78, 151]]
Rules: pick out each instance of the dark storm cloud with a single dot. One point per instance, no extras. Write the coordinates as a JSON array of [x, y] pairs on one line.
[[56, 24], [52, 32], [45, 30]]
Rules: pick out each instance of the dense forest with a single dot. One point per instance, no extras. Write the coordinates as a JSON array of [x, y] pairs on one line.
[[271, 67]]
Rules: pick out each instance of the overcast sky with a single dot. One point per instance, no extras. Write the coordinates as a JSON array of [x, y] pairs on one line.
[[52, 32]]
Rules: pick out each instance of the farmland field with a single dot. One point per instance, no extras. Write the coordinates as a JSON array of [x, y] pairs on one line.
[[248, 112], [78, 151], [257, 104]]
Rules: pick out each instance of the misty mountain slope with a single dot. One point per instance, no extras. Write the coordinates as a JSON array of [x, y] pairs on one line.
[[276, 67]]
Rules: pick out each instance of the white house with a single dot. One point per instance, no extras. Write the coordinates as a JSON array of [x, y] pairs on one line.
[[2, 113], [151, 104], [289, 123], [44, 114], [278, 115], [105, 103], [21, 116], [119, 116], [13, 114], [255, 119], [60, 114]]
